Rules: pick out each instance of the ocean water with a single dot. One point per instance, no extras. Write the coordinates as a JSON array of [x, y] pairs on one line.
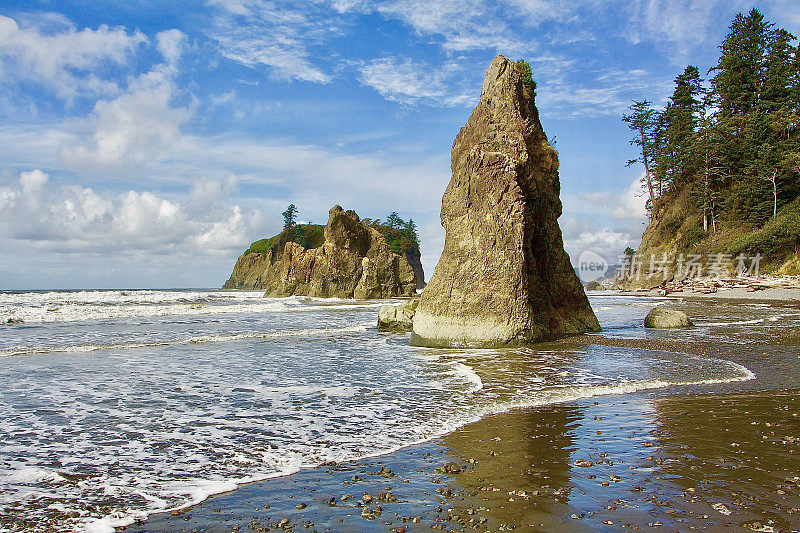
[[118, 404]]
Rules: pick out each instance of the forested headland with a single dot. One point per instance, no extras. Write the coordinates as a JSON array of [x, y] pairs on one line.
[[721, 160]]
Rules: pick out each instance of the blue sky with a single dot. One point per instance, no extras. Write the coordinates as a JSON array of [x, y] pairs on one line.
[[146, 144]]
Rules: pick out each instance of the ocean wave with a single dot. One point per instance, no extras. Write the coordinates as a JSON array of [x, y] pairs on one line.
[[545, 397], [199, 339], [775, 318], [52, 307]]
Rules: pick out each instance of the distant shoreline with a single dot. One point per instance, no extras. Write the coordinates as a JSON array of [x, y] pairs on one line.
[[767, 295]]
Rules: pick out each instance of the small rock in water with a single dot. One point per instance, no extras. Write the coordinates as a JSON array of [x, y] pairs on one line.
[[397, 317], [449, 468], [300, 506], [721, 508], [385, 472], [660, 318]]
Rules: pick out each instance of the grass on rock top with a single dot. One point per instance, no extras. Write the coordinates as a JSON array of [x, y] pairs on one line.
[[311, 236], [306, 235]]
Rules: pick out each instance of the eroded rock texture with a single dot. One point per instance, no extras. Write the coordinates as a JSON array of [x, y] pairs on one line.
[[504, 277], [354, 261]]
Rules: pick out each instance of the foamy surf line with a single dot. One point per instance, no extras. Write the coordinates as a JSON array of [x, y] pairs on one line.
[[775, 318], [224, 337], [77, 313], [547, 397]]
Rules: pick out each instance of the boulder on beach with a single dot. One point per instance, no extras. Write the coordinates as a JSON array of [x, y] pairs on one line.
[[503, 277], [397, 317], [346, 259], [660, 318]]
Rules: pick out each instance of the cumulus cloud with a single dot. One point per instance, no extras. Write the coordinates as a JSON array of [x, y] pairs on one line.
[[171, 43], [632, 203], [141, 124], [582, 235], [51, 51], [589, 232], [70, 218]]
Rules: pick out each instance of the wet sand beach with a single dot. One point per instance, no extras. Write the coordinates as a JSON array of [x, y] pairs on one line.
[[715, 456], [636, 462]]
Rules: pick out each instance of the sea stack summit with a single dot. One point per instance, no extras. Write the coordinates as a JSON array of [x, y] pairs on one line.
[[504, 278]]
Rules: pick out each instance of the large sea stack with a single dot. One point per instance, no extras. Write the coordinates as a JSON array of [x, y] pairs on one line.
[[345, 259], [504, 278]]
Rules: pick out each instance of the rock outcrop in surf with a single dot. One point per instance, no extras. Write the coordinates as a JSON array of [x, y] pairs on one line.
[[504, 277], [350, 260]]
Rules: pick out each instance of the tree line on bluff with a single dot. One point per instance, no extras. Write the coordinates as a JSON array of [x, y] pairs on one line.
[[401, 235], [731, 141]]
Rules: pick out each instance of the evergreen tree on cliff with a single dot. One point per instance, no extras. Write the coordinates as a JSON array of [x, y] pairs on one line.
[[681, 120], [728, 156], [289, 217], [642, 121]]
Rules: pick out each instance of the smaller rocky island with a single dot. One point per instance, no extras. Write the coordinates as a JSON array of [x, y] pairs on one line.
[[346, 258]]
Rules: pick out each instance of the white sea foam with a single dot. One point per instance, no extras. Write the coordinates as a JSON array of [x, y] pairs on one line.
[[48, 307], [228, 337], [774, 318], [161, 417]]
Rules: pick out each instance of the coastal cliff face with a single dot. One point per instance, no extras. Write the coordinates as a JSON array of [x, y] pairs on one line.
[[676, 230], [414, 259], [504, 277], [353, 261]]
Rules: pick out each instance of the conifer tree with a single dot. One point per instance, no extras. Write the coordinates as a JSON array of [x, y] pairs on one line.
[[289, 216], [410, 231], [680, 125], [394, 220], [641, 121]]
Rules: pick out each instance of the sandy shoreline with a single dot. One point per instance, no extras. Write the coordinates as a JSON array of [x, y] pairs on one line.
[[622, 462], [766, 295], [682, 457]]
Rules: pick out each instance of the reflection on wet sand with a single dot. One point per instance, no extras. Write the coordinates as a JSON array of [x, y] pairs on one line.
[[518, 467], [735, 456], [684, 462], [672, 459]]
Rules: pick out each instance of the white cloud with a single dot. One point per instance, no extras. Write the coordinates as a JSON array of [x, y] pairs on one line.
[[171, 43], [32, 182], [408, 82], [67, 60], [140, 125], [77, 219], [631, 204], [588, 229], [684, 23], [274, 34], [608, 242], [462, 25], [570, 90]]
